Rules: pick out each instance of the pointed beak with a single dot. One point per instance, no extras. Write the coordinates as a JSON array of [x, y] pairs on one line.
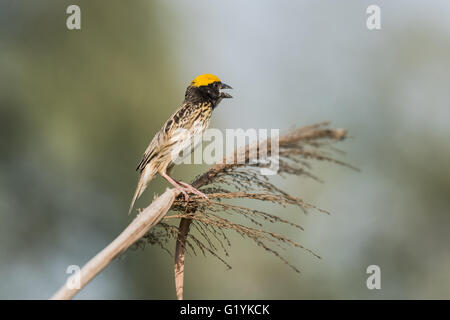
[[224, 94], [225, 86]]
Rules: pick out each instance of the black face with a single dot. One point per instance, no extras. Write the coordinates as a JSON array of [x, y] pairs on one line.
[[211, 93]]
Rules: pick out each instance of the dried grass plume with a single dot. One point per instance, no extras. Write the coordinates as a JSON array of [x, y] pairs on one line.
[[212, 219]]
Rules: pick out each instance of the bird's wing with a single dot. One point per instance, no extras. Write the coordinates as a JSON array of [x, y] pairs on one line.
[[162, 137], [151, 150]]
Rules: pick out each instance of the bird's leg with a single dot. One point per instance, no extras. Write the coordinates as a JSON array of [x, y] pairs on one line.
[[190, 188], [176, 185]]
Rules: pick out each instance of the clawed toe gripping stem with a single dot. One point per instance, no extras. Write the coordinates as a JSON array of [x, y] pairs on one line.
[[184, 187]]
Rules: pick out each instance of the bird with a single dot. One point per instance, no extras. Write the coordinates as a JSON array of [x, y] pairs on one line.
[[185, 125]]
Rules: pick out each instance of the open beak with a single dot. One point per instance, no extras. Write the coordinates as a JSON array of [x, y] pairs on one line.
[[224, 94]]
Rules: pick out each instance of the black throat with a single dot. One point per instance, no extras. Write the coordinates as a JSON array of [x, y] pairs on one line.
[[202, 94]]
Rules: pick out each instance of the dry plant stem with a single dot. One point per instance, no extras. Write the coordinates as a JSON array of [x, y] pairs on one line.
[[179, 256], [149, 217]]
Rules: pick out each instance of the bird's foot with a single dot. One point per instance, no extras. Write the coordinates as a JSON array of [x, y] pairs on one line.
[[186, 195], [183, 187], [191, 189]]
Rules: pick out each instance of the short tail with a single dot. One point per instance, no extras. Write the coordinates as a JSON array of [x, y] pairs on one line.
[[144, 179]]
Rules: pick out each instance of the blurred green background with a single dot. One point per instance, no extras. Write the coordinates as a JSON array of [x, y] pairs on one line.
[[78, 108]]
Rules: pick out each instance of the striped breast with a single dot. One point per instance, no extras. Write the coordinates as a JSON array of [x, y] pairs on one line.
[[188, 134]]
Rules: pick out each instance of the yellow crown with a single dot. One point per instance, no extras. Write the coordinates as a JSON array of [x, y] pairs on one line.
[[204, 80]]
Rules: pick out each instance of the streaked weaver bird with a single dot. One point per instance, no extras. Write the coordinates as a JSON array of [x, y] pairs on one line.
[[186, 125]]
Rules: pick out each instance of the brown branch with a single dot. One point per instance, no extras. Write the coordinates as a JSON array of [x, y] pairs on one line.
[[179, 256]]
